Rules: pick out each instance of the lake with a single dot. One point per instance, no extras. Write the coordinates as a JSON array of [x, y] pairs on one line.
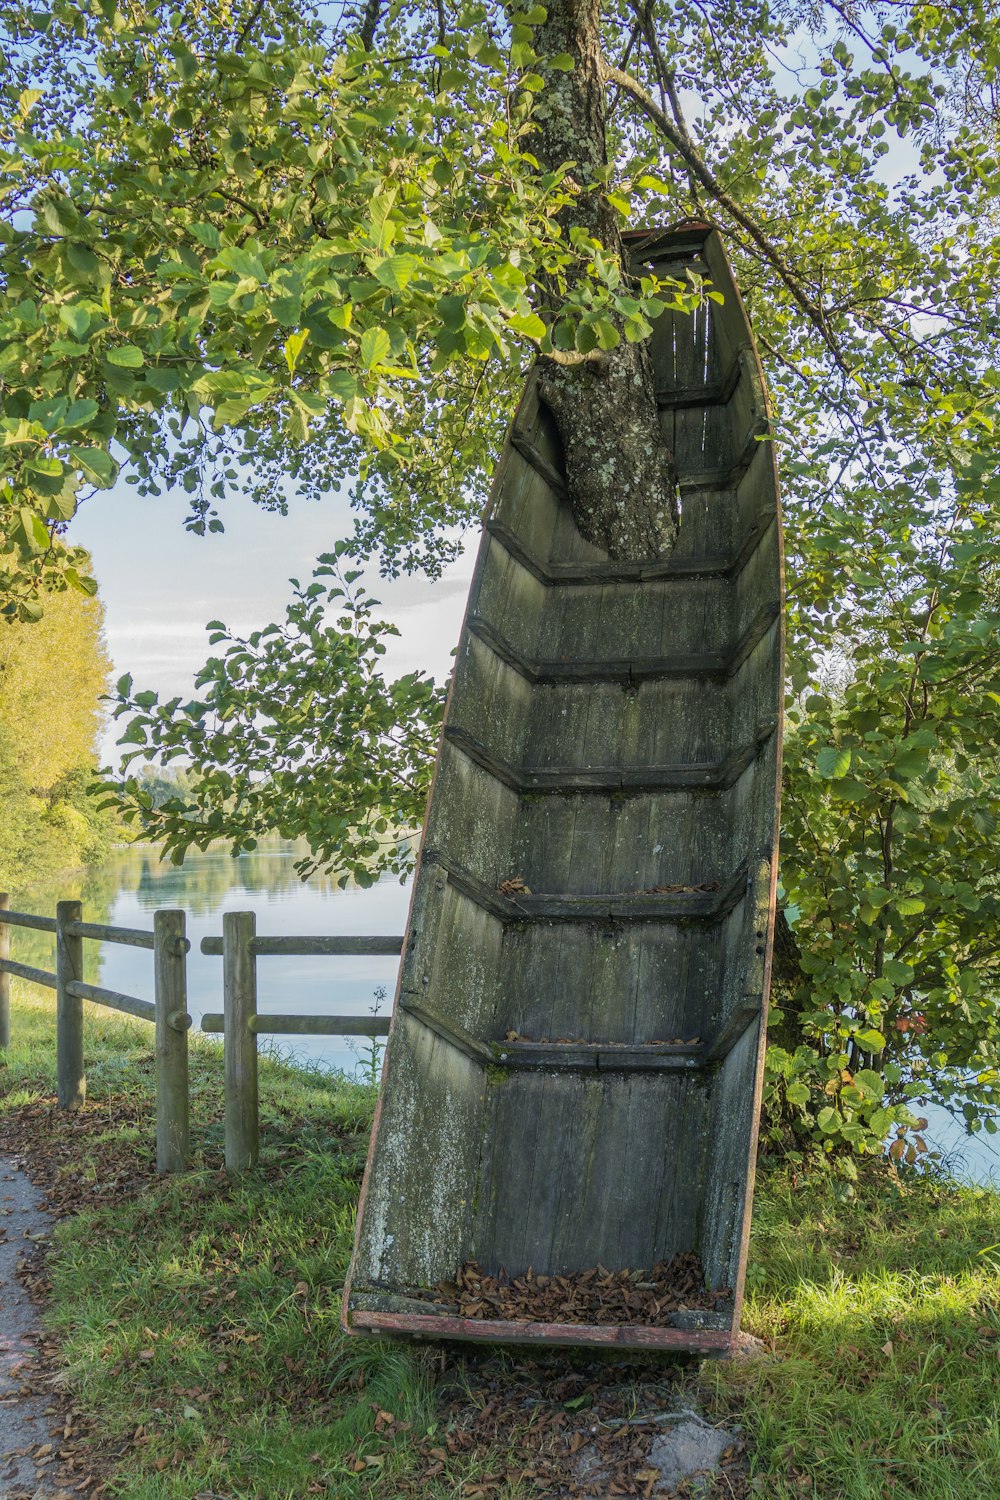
[[128, 888]]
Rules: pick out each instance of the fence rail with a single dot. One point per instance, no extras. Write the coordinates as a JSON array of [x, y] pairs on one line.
[[239, 1022], [167, 1010], [302, 947], [24, 919], [25, 971], [127, 937]]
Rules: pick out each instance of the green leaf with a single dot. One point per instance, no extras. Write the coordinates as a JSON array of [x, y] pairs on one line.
[[870, 1039], [127, 356], [869, 1082], [59, 216], [897, 972], [383, 230], [244, 262], [375, 346], [341, 384], [562, 62], [453, 312], [650, 184], [530, 324], [833, 762], [49, 468], [83, 259], [293, 348], [397, 271], [135, 733], [909, 906], [910, 763], [607, 333], [95, 464], [34, 532], [80, 413], [61, 506], [76, 319]]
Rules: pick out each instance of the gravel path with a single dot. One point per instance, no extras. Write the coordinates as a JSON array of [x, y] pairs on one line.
[[26, 1420]]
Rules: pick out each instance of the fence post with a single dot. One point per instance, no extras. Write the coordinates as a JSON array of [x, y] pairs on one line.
[[170, 947], [71, 1082], [4, 978], [239, 980]]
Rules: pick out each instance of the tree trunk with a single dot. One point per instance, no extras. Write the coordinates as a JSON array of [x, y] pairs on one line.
[[619, 470]]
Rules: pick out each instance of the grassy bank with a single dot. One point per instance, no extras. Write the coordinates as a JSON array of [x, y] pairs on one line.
[[198, 1318]]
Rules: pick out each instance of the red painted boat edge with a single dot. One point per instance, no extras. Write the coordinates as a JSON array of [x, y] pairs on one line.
[[497, 1331]]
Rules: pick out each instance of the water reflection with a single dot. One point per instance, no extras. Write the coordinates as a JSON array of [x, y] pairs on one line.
[[131, 886]]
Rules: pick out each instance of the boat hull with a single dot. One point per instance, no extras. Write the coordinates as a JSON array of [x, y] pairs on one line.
[[573, 1071]]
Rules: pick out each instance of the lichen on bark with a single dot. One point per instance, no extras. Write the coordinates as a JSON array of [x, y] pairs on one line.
[[619, 469]]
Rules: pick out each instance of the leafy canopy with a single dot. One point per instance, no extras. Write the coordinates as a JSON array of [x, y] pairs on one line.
[[228, 263], [265, 247]]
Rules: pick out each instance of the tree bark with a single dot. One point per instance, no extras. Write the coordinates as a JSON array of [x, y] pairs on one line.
[[619, 470]]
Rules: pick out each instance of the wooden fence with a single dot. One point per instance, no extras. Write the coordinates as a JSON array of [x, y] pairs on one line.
[[238, 1022]]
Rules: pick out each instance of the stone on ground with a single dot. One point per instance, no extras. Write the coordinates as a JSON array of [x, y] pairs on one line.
[[685, 1449]]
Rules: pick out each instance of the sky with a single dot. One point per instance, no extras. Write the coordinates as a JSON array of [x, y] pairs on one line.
[[160, 585]]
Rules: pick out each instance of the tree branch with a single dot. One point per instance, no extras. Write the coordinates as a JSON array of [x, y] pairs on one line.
[[370, 17], [696, 163]]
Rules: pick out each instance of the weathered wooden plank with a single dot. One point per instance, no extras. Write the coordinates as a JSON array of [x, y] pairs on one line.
[[490, 1331], [71, 1080], [172, 1024], [530, 449], [239, 984], [626, 906], [131, 1005], [627, 670], [732, 1030], [673, 569], [629, 619], [25, 971], [702, 393], [417, 1203], [127, 937], [596, 1057], [457, 1037], [692, 477], [4, 974], [263, 1024], [335, 946], [543, 1192], [607, 780], [24, 919], [726, 474]]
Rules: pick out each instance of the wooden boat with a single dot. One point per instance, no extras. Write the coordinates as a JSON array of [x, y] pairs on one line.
[[573, 1071]]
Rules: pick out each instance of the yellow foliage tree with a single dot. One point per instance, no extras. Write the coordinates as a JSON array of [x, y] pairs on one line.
[[52, 675]]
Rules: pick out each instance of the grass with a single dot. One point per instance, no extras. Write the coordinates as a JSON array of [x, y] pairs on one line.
[[886, 1314], [197, 1316], [203, 1312]]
